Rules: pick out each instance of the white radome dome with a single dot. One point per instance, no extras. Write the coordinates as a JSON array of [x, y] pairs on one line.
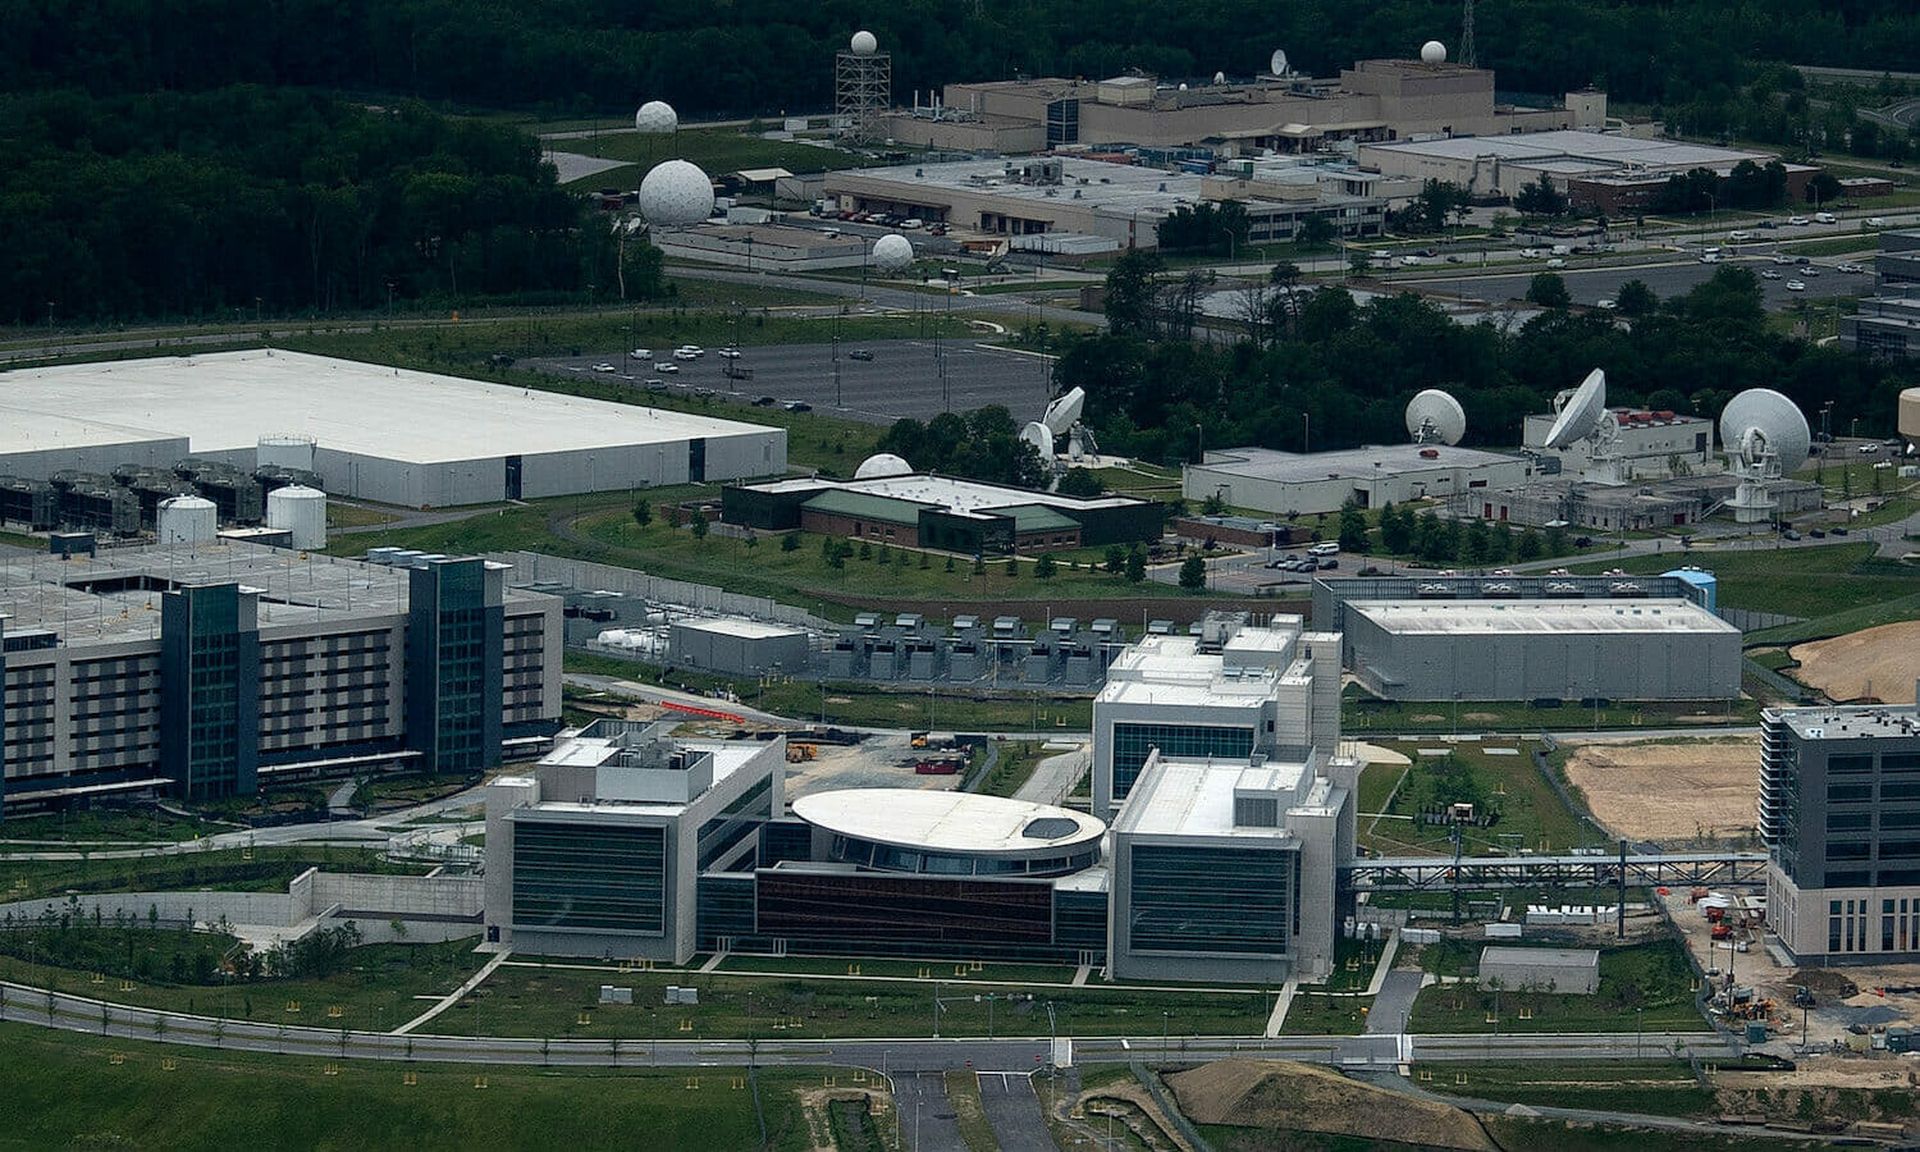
[[864, 43], [892, 253], [1433, 52], [882, 465], [656, 117], [674, 193]]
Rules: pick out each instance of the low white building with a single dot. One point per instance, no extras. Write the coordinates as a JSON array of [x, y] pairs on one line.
[[1650, 445], [1268, 480]]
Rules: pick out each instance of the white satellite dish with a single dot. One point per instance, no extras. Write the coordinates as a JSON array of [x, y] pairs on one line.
[[1219, 77], [1761, 425], [1041, 437], [882, 465], [1434, 417], [1064, 412], [1582, 412], [1278, 64]]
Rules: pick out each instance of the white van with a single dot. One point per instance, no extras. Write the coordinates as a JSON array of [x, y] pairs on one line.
[[1825, 218], [1325, 548]]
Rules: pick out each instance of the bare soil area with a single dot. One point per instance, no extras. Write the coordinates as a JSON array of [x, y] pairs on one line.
[[1277, 1095], [1687, 791], [1871, 665]]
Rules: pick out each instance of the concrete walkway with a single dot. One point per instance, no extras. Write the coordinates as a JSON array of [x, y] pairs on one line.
[[1394, 1003], [1281, 1005], [1054, 777], [457, 994]]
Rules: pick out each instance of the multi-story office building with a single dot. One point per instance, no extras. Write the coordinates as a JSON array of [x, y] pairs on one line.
[[1227, 869], [1840, 815], [1227, 693], [203, 670], [598, 850]]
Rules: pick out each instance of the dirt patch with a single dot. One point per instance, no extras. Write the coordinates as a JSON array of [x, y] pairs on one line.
[[1872, 665], [1689, 791], [1379, 754], [1277, 1095], [1482, 717]]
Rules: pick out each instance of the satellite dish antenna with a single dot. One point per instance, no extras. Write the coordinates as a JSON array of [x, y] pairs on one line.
[[1278, 64], [1434, 417], [1041, 437], [1219, 77], [1765, 436], [1064, 412], [1582, 412]]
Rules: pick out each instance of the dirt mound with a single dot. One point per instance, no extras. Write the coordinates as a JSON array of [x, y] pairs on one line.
[[1684, 791], [1275, 1094], [1877, 664], [1824, 983]]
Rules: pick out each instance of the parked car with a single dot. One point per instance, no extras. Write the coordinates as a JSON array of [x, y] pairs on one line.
[[666, 367], [603, 366], [1817, 533], [860, 354], [683, 354], [1325, 548], [1709, 257], [1807, 271], [730, 353], [1876, 221], [1781, 258], [1849, 268], [765, 402], [1769, 274], [1840, 530], [1329, 562], [797, 406], [1796, 286], [1608, 303], [640, 354], [1798, 221], [1790, 534]]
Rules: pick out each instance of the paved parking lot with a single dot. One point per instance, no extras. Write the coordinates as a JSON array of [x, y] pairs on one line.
[[1014, 1112], [902, 379]]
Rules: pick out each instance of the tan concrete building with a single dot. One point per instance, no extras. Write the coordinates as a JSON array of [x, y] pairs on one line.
[[1373, 100]]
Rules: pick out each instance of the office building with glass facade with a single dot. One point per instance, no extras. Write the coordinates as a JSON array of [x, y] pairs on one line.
[[1227, 869], [1229, 692], [1840, 815], [220, 668], [598, 849]]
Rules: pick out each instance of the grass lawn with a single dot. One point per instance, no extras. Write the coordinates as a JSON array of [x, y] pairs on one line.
[[1514, 1132], [987, 971], [63, 1092], [343, 515], [1530, 814], [1014, 768], [969, 1114], [379, 990], [1314, 1014], [1652, 978], [1835, 246], [1364, 715], [227, 870], [524, 1000], [1799, 582], [142, 824], [1653, 1087]]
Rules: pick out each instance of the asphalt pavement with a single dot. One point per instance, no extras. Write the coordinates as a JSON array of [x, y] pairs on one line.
[[926, 1116], [1667, 278], [1395, 1002], [904, 378], [1014, 1112]]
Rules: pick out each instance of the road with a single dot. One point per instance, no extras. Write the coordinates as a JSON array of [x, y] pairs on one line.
[[925, 1115], [1666, 278], [1395, 1002], [1014, 1112], [903, 378]]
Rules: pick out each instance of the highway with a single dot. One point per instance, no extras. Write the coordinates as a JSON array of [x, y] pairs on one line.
[[29, 1005], [1672, 277]]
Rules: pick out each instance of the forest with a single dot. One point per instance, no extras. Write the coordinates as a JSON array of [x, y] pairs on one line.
[[762, 57], [249, 200], [1329, 372]]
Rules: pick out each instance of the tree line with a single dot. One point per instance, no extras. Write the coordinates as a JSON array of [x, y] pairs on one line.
[[267, 201], [751, 57], [1317, 369]]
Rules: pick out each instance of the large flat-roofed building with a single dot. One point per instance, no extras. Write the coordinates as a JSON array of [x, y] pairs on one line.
[[387, 434], [1331, 594], [1268, 480], [737, 646], [1612, 174], [1230, 692], [1889, 326], [1632, 649], [1647, 446], [204, 670], [598, 849], [1374, 100], [1074, 196], [1840, 815], [1227, 869], [927, 511], [768, 247]]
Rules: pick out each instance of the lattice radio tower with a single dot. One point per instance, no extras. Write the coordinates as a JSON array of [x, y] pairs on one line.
[[1466, 34], [862, 86]]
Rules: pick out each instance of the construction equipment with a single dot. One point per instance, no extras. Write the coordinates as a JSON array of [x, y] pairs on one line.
[[802, 753]]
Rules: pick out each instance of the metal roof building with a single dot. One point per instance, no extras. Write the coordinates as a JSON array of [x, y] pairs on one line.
[[392, 435], [1571, 970], [1273, 481]]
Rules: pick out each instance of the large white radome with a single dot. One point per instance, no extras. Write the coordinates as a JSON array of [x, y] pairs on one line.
[[892, 253], [1433, 52], [882, 465], [655, 117], [676, 193], [864, 43]]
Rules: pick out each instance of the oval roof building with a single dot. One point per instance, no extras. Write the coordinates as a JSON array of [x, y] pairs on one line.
[[952, 833]]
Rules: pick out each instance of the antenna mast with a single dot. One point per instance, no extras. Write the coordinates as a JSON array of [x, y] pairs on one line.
[[1466, 34]]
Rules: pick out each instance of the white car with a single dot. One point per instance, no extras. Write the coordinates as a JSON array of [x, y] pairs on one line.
[[666, 366], [603, 366], [730, 353], [641, 354], [1796, 286], [1739, 234], [1798, 221], [1781, 258], [1531, 253], [1609, 304], [1710, 258], [1807, 271], [693, 349], [1876, 221], [1849, 269], [683, 354], [1556, 262], [1769, 274]]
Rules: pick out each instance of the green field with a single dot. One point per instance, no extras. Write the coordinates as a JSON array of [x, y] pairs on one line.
[[382, 987], [65, 1091], [521, 999], [1651, 1087], [986, 971], [228, 869], [1530, 814], [1315, 1014], [716, 150], [1798, 582], [1647, 987], [147, 824]]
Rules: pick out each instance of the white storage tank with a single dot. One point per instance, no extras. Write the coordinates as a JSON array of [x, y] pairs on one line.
[[301, 511], [284, 452], [188, 520]]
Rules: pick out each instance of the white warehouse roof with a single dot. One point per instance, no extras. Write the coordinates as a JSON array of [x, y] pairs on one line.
[[226, 401], [1540, 617]]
